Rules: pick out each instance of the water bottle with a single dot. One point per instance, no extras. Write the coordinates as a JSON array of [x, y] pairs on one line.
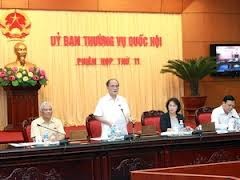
[[38, 139], [118, 133], [238, 124], [45, 138], [181, 128], [232, 124], [181, 124], [113, 133]]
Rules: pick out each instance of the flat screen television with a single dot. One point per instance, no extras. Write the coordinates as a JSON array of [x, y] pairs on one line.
[[227, 58]]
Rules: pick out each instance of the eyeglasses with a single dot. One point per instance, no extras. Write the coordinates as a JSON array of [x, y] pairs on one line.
[[49, 109], [117, 86]]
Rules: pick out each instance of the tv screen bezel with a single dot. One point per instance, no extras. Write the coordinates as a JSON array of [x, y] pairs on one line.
[[214, 54]]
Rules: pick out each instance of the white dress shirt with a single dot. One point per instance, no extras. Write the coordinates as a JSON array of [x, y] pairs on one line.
[[222, 119], [175, 124], [115, 111]]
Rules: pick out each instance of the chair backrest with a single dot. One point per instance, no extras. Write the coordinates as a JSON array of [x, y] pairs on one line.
[[203, 115], [152, 118], [94, 128], [26, 129]]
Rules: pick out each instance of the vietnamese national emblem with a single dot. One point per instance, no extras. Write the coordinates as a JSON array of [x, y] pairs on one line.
[[15, 25]]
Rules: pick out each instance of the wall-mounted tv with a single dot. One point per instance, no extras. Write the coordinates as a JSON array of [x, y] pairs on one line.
[[227, 58]]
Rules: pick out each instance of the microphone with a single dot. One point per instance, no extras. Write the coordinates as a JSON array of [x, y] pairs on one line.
[[61, 142], [39, 125], [122, 112], [126, 119], [131, 137]]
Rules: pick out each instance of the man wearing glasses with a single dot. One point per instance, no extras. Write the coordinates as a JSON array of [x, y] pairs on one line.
[[46, 127]]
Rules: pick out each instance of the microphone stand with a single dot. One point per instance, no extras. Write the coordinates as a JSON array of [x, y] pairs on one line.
[[50, 129], [133, 127], [61, 142], [132, 136]]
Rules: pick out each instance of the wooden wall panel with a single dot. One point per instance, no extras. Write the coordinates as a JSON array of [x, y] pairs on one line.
[[89, 5], [189, 24], [192, 49], [155, 6], [130, 6], [216, 90], [211, 27], [14, 4], [217, 6], [205, 22], [186, 3], [175, 6]]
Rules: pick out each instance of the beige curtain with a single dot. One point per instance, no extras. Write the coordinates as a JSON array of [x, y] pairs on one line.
[[75, 89]]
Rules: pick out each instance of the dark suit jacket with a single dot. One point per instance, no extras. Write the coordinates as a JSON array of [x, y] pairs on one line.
[[165, 121]]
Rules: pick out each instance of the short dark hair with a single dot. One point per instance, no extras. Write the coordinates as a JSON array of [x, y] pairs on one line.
[[228, 98], [176, 101], [108, 81]]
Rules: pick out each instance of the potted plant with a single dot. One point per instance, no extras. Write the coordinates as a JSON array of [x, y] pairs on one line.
[[192, 71]]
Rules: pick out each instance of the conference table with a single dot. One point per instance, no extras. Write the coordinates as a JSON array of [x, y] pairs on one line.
[[96, 160]]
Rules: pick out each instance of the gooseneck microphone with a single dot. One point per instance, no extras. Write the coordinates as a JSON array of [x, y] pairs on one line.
[[123, 112], [39, 125], [61, 142], [131, 136], [126, 119]]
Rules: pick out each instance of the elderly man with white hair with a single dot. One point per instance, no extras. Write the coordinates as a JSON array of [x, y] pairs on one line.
[[47, 126]]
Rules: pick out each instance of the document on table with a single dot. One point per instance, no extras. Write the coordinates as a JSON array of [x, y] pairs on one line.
[[23, 144], [99, 139], [35, 144]]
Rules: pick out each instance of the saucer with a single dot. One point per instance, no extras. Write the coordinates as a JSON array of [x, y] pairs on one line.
[[221, 131]]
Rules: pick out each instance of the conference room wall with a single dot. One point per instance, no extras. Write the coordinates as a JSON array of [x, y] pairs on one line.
[[206, 22], [74, 90], [153, 6]]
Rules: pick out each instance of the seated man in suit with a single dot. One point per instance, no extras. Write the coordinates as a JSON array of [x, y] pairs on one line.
[[112, 110], [225, 115], [47, 126]]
